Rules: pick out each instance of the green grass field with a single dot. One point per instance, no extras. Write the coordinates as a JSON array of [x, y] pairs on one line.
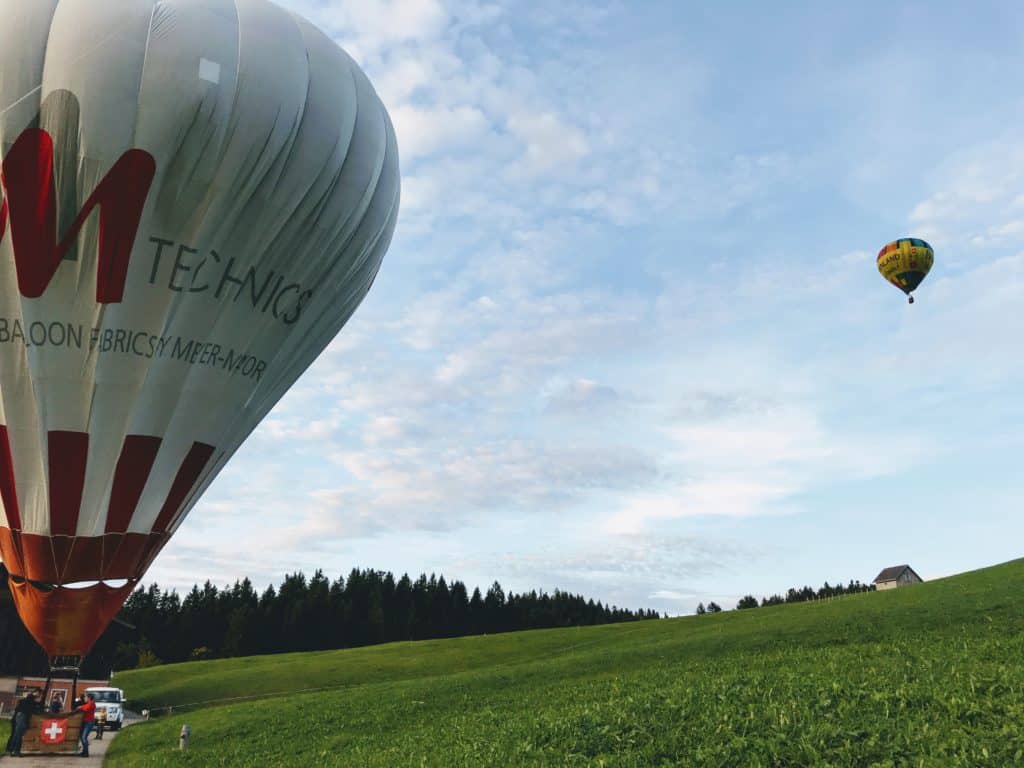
[[930, 675]]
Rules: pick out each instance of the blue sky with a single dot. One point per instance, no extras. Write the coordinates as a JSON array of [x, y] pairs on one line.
[[630, 339]]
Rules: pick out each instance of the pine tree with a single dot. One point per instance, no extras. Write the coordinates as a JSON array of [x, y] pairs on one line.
[[748, 601]]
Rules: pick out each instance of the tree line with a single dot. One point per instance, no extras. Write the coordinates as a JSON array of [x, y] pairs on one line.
[[313, 614], [793, 595]]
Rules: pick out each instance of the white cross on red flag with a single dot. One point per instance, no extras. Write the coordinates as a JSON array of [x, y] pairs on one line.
[[53, 731]]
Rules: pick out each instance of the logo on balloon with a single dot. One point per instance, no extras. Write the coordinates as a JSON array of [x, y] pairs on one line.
[[30, 208]]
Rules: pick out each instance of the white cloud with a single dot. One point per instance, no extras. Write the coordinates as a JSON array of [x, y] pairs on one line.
[[422, 131], [367, 27], [446, 485], [974, 198], [581, 395], [738, 456], [546, 332], [727, 496], [392, 430], [663, 571], [551, 144]]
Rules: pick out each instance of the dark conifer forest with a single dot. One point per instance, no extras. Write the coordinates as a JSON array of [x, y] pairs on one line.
[[313, 614]]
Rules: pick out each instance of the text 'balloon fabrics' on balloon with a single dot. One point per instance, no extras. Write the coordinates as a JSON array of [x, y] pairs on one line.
[[197, 196], [905, 263]]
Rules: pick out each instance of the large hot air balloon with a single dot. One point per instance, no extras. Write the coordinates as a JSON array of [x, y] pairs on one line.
[[197, 194], [905, 263]]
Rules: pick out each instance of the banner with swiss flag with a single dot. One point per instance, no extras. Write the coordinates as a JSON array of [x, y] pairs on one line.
[[53, 731]]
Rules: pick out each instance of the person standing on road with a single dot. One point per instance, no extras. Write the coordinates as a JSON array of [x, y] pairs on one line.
[[88, 710], [22, 717]]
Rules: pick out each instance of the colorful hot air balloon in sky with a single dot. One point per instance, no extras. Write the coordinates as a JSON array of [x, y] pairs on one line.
[[197, 194], [905, 263]]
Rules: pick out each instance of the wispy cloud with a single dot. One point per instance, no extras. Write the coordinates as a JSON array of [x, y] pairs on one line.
[[444, 488]]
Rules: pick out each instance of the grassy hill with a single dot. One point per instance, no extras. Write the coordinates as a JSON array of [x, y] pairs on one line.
[[925, 676]]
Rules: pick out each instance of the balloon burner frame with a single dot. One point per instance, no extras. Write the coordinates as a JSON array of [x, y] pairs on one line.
[[72, 664]]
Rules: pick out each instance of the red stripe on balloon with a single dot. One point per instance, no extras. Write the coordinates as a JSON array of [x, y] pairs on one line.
[[37, 556], [7, 490], [122, 561], [111, 543], [68, 454], [62, 546], [191, 469], [130, 476], [83, 564], [10, 551]]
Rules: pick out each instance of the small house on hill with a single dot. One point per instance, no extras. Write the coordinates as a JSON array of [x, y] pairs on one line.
[[896, 576]]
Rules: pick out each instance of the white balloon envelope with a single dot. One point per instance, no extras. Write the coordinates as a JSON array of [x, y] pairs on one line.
[[197, 196]]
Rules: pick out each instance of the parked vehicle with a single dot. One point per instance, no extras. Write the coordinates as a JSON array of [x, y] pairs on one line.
[[110, 702]]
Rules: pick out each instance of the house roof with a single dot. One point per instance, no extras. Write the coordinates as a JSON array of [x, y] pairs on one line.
[[893, 573]]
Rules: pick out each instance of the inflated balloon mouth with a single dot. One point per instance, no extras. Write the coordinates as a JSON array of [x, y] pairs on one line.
[[67, 619], [112, 583], [46, 586]]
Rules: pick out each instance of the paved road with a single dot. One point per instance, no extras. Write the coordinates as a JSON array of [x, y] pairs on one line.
[[97, 749]]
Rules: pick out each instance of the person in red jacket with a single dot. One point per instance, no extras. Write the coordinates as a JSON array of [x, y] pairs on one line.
[[88, 710]]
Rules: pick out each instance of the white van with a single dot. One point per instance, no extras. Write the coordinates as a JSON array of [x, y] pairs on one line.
[[110, 701]]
